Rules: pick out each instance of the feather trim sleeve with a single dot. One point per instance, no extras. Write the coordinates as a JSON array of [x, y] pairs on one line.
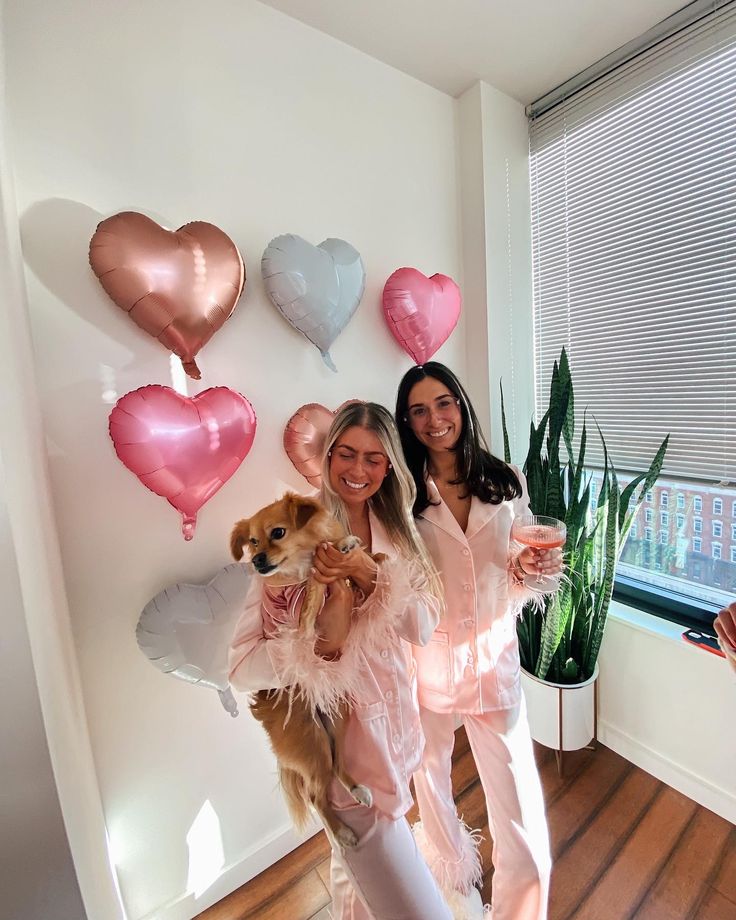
[[519, 593], [320, 683], [399, 603]]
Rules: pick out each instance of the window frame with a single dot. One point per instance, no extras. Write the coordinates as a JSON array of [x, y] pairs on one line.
[[666, 602]]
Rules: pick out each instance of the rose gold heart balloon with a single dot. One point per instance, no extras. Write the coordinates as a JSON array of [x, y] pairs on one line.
[[304, 439], [179, 285]]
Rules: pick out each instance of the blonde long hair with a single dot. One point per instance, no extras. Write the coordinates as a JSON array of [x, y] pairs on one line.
[[393, 502]]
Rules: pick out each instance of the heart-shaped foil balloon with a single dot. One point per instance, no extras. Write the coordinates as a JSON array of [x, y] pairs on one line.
[[183, 448], [186, 630], [179, 285], [304, 439], [421, 312], [315, 288]]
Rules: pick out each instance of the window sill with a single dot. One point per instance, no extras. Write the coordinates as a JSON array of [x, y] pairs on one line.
[[652, 625], [645, 622]]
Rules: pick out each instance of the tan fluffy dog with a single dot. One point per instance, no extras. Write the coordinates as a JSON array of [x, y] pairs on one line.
[[281, 539]]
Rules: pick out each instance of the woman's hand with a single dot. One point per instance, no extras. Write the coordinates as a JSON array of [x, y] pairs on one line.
[[333, 621], [725, 625], [330, 564], [541, 561]]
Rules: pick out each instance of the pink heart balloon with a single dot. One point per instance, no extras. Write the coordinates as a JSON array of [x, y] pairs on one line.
[[304, 439], [421, 312], [184, 449]]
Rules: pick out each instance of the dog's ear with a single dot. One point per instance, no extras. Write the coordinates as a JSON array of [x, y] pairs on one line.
[[239, 537], [301, 509]]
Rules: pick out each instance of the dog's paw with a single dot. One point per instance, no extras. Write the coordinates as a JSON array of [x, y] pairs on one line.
[[349, 543], [362, 795], [346, 837]]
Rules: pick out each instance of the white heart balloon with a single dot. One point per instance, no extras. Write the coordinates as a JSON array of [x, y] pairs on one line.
[[315, 288], [185, 630]]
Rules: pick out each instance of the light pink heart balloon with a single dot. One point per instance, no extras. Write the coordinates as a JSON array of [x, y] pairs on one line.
[[421, 312], [304, 439], [184, 449]]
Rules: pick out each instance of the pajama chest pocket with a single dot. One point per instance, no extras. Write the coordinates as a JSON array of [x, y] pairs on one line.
[[368, 753], [370, 711], [434, 663]]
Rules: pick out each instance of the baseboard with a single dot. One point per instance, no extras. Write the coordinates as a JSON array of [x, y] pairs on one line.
[[242, 870], [695, 787]]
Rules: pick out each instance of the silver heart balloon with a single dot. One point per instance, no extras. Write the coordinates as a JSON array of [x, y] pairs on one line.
[[315, 288], [185, 630]]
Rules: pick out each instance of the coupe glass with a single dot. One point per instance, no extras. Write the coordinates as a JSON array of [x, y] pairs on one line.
[[542, 533]]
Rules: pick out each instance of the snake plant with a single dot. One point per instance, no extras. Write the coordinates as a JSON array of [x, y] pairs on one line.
[[562, 644]]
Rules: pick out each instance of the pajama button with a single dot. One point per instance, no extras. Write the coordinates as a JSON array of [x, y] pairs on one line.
[[384, 653], [466, 552], [397, 737], [467, 588], [468, 623], [389, 695]]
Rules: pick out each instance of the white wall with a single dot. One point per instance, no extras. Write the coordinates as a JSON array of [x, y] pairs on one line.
[[37, 877], [668, 707], [232, 113], [496, 228]]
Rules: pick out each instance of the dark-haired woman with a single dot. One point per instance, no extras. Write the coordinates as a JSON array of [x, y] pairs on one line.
[[466, 502]]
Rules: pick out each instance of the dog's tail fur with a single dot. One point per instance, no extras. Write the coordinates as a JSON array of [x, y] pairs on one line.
[[297, 798]]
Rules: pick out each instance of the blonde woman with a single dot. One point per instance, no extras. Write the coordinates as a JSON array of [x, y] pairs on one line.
[[365, 644]]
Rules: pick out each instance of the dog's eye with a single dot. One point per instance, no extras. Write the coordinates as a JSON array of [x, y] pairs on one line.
[[277, 533], [253, 541]]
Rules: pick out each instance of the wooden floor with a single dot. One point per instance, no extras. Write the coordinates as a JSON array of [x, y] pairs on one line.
[[624, 845]]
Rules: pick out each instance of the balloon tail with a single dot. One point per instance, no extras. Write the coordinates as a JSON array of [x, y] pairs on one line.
[[328, 360], [191, 369], [228, 701], [188, 523]]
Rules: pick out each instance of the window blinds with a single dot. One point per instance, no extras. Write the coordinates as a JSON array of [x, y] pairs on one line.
[[634, 252]]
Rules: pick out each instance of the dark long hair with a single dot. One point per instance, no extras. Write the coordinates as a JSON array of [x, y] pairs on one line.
[[485, 476]]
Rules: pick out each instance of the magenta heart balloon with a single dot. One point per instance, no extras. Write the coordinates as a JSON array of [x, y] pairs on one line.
[[184, 449], [421, 312]]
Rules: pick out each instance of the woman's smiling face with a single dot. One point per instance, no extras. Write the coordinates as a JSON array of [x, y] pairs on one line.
[[358, 465], [433, 414]]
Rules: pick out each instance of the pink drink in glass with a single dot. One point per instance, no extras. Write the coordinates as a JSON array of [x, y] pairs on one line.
[[540, 536], [539, 532]]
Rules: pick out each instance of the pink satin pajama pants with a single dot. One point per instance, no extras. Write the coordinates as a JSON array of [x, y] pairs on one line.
[[504, 758], [384, 877]]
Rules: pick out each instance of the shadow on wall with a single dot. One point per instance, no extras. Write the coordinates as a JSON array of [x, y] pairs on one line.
[[55, 235]]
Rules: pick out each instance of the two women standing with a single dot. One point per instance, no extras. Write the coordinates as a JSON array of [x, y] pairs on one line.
[[462, 662]]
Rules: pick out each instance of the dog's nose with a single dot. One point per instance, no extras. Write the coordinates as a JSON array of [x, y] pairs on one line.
[[260, 561]]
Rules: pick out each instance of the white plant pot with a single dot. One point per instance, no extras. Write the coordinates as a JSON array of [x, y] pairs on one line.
[[561, 716]]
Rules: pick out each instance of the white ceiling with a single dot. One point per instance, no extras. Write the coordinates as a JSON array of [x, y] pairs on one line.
[[523, 47]]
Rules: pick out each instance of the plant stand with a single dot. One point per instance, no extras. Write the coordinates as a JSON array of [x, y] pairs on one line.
[[563, 717], [559, 751]]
